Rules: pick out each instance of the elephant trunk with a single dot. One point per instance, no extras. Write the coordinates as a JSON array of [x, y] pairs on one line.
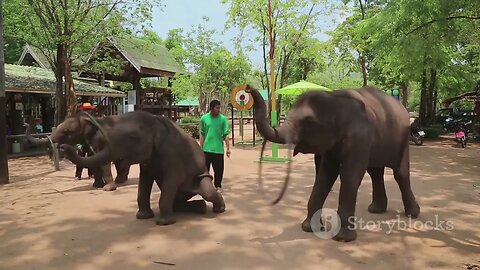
[[32, 140], [275, 135], [99, 159]]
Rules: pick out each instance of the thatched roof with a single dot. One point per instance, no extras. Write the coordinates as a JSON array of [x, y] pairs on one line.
[[31, 56], [147, 58], [42, 81]]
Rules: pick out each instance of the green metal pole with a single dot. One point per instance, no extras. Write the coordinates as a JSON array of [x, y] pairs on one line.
[[273, 114]]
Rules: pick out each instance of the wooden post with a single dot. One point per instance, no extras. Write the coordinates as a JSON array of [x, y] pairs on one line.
[[3, 114]]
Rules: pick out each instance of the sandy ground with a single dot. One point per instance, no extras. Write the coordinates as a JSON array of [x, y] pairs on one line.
[[47, 221]]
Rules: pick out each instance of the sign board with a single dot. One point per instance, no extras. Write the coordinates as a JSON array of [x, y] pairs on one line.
[[18, 106], [132, 97]]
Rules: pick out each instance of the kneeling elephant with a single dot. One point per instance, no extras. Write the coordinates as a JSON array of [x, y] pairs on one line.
[[166, 154]]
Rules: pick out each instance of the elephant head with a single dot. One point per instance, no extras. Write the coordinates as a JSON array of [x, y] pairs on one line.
[[71, 131], [309, 125], [126, 141]]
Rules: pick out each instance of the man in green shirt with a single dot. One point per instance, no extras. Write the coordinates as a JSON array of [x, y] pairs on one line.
[[214, 130]]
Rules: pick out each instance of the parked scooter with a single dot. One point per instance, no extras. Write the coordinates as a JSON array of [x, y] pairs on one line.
[[416, 134], [461, 132]]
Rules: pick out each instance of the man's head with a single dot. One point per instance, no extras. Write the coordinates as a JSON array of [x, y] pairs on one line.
[[215, 107]]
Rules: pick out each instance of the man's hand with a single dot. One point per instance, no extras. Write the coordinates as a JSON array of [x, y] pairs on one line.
[[229, 153]]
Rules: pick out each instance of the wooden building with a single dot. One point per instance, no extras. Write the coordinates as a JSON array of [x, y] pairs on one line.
[[141, 60], [30, 91]]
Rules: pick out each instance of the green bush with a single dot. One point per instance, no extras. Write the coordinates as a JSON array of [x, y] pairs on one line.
[[432, 131], [190, 120], [191, 129]]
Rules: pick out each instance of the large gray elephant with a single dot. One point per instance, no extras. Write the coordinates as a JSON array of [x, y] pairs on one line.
[[350, 132], [81, 129], [166, 154]]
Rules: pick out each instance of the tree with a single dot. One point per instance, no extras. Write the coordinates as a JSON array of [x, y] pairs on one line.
[[294, 23], [67, 30], [213, 70], [14, 23], [425, 42], [3, 124]]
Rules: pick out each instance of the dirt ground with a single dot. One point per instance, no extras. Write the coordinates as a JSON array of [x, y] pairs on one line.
[[47, 221]]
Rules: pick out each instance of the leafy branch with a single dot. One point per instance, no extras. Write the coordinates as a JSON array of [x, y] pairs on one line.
[[443, 19]]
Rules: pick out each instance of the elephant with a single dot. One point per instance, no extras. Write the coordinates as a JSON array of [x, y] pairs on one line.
[[350, 132], [81, 129], [166, 154]]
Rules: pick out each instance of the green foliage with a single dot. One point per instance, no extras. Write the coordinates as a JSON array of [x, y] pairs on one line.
[[402, 40], [293, 26], [336, 77], [214, 70], [191, 128], [432, 131], [13, 24], [190, 120]]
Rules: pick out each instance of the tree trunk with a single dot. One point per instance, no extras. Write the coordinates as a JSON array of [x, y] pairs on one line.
[[423, 99], [69, 88], [363, 65], [4, 176], [404, 93], [432, 89], [59, 94]]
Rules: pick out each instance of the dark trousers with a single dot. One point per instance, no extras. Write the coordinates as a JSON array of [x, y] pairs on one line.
[[79, 170], [216, 160]]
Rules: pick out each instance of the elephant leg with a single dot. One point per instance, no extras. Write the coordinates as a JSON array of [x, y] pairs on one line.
[[402, 176], [167, 197], [379, 202], [98, 177], [353, 169], [108, 178], [182, 204], [327, 170], [144, 190], [210, 194], [122, 172]]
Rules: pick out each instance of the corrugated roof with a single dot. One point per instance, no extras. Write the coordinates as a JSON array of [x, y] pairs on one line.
[[40, 80], [143, 54]]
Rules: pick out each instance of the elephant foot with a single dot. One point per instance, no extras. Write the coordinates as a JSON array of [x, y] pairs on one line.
[[196, 206], [306, 226], [377, 208], [121, 180], [145, 214], [165, 220], [110, 186], [345, 235], [98, 184], [412, 211], [218, 208]]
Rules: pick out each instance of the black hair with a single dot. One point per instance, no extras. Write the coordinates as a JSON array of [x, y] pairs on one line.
[[214, 103]]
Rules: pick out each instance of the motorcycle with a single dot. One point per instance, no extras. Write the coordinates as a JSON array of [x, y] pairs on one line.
[[416, 134], [461, 132]]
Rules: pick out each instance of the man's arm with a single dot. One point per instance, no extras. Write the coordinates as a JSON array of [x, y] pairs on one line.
[[201, 132], [227, 143], [201, 140], [226, 133]]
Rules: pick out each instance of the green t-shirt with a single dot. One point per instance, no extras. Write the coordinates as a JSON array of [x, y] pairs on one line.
[[214, 131]]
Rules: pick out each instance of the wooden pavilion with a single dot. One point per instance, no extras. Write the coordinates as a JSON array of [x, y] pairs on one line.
[[141, 60]]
